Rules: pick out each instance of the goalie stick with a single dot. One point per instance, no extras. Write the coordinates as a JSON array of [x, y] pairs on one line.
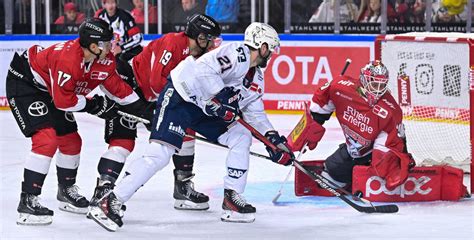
[[346, 65], [324, 182]]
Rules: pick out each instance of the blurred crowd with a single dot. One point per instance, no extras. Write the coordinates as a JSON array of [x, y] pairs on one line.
[[398, 11], [232, 14]]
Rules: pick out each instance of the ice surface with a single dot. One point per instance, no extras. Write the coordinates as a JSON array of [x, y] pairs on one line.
[[150, 213]]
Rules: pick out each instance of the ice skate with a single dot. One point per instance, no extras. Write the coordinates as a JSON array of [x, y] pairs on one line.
[[71, 201], [107, 212], [236, 209], [186, 198], [32, 212]]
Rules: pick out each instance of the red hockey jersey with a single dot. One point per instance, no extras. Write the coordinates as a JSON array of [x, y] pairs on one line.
[[62, 70], [364, 128], [153, 65]]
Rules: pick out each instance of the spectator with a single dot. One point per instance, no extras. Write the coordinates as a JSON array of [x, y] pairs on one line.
[[402, 12], [417, 9], [187, 9], [325, 13], [223, 11], [70, 21], [127, 34], [138, 13], [456, 9], [371, 11]]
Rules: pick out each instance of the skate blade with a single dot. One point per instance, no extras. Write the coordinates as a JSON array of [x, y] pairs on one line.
[[189, 205], [232, 216], [33, 220], [67, 207], [100, 218]]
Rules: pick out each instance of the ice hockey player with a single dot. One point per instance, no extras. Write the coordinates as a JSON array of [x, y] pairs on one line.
[[128, 36], [207, 95], [43, 87], [371, 121], [148, 77]]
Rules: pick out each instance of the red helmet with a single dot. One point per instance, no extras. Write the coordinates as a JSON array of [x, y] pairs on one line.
[[374, 80]]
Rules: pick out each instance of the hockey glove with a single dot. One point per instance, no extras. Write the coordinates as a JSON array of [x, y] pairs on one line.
[[283, 155], [224, 105], [102, 107]]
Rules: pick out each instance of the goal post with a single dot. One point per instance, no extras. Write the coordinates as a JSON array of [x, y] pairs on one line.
[[432, 78]]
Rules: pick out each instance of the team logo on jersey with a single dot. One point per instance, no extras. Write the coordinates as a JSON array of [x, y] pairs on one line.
[[98, 75], [128, 123], [176, 129], [235, 173], [69, 117], [38, 109], [380, 111]]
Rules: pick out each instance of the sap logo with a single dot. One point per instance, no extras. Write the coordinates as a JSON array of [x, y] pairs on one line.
[[235, 173], [105, 61], [176, 129], [401, 190], [345, 82]]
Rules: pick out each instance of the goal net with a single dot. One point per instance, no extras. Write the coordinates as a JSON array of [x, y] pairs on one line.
[[431, 76]]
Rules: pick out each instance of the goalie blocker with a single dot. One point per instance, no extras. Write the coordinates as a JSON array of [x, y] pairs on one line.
[[423, 184]]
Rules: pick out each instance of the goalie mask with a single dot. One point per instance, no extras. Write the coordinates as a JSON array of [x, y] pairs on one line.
[[257, 34], [374, 80]]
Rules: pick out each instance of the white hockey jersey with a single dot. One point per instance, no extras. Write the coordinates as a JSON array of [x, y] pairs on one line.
[[199, 80], [251, 103]]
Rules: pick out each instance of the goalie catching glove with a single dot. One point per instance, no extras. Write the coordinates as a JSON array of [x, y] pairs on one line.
[[283, 155], [393, 166], [224, 105]]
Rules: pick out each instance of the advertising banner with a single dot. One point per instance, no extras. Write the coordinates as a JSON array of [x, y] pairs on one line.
[[290, 76]]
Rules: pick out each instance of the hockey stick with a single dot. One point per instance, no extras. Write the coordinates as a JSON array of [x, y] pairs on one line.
[[280, 191], [324, 182], [346, 65], [224, 146], [131, 116]]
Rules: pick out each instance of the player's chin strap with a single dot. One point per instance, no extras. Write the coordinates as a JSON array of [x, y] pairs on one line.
[[97, 55], [324, 182]]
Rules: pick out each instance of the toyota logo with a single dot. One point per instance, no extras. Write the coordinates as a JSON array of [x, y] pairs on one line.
[[128, 122], [69, 117], [38, 109]]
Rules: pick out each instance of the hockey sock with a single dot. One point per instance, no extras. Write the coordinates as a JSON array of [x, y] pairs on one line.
[[183, 163], [110, 168], [32, 182]]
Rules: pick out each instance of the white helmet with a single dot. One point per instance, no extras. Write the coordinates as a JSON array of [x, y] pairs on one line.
[[258, 33]]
